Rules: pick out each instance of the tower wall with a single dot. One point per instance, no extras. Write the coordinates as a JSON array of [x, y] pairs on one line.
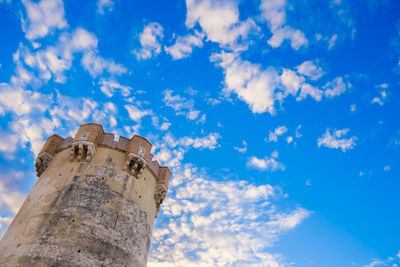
[[94, 204]]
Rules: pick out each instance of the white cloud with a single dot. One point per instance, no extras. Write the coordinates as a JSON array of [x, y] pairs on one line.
[[219, 20], [291, 82], [97, 65], [105, 114], [8, 143], [309, 90], [170, 151], [109, 88], [209, 141], [113, 121], [177, 102], [332, 41], [104, 5], [391, 261], [213, 101], [135, 113], [382, 85], [242, 149], [273, 135], [337, 140], [267, 163], [43, 18], [164, 126], [35, 115], [193, 114], [29, 132], [150, 41], [191, 91], [204, 223], [20, 101], [66, 111], [71, 109], [274, 12], [380, 99], [10, 199], [257, 87], [182, 106], [161, 126], [336, 87], [53, 61], [296, 37], [353, 107], [298, 134], [288, 221], [289, 139], [311, 70], [252, 84], [183, 46], [387, 168]]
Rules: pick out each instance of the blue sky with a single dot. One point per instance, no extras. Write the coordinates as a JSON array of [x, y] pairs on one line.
[[278, 118]]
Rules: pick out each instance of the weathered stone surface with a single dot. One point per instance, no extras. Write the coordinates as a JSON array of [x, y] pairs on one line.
[[90, 225], [87, 208]]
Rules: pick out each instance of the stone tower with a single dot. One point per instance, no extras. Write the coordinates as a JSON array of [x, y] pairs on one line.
[[94, 203]]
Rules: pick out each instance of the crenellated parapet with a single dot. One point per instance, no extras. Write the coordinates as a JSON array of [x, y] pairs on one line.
[[164, 175], [90, 137], [47, 153]]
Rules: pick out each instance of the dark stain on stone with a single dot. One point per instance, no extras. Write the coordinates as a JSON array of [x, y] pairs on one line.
[[125, 182], [98, 231], [109, 160]]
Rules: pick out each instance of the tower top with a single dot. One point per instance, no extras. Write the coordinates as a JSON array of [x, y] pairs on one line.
[[90, 137], [93, 134]]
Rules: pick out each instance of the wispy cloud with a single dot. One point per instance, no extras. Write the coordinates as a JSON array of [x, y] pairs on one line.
[[219, 20], [104, 5], [242, 149], [273, 135], [150, 41], [337, 139], [183, 106], [109, 88], [391, 261], [249, 81], [184, 45], [380, 99], [274, 12], [336, 87], [53, 61], [296, 37], [170, 150], [43, 18], [266, 163], [311, 70]]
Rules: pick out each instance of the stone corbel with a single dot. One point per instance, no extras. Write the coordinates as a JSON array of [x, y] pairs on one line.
[[134, 164], [159, 196], [82, 150], [42, 162]]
